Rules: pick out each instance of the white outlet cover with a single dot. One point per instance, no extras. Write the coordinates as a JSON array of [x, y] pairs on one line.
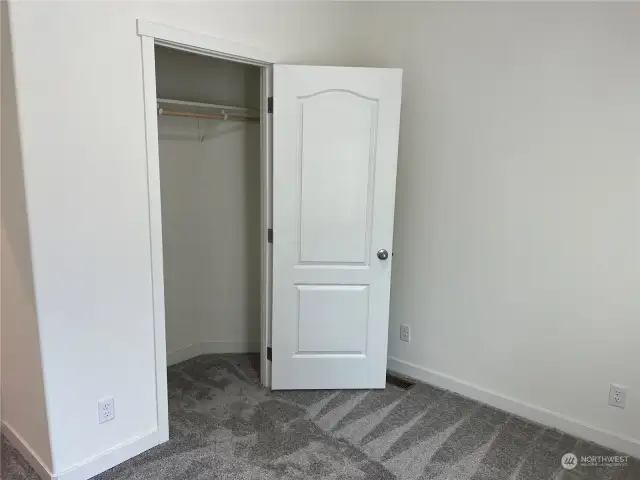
[[106, 410], [617, 395], [405, 333]]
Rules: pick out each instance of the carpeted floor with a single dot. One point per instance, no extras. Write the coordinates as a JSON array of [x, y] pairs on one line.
[[224, 426]]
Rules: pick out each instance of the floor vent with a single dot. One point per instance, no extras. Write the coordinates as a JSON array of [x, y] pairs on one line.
[[400, 382]]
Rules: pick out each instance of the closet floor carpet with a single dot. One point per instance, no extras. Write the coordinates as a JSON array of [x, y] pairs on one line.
[[225, 426]]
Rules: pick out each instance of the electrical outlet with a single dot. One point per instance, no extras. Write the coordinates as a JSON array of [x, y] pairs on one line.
[[405, 333], [617, 395], [106, 410]]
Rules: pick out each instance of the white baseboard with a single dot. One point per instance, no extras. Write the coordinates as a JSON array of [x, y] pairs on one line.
[[113, 457], [25, 450], [203, 348], [537, 414], [90, 467]]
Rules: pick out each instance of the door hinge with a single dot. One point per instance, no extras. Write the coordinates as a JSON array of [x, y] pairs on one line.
[[269, 352], [270, 235], [270, 105]]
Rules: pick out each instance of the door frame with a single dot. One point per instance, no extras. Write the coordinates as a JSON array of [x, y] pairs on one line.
[[152, 34]]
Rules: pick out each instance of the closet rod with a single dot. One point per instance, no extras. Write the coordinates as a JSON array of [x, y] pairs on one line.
[[171, 113], [205, 105]]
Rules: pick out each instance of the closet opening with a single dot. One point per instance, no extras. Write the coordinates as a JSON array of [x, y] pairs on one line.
[[212, 207]]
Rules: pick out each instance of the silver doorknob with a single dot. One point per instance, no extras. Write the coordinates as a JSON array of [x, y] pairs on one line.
[[383, 254]]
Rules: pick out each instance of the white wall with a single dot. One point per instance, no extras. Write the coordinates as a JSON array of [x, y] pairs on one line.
[[518, 207], [179, 167], [210, 209], [23, 402], [78, 71], [211, 219]]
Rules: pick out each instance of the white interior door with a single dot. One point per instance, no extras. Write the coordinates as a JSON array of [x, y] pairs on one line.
[[335, 147]]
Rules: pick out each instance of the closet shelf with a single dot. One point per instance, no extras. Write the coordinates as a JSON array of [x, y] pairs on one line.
[[224, 112]]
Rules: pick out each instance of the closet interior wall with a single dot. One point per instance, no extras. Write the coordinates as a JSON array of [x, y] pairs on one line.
[[210, 190]]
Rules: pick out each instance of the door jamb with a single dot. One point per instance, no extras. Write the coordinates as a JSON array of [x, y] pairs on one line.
[[157, 34]]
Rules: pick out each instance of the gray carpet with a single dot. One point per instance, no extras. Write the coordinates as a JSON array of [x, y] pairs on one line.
[[224, 426]]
